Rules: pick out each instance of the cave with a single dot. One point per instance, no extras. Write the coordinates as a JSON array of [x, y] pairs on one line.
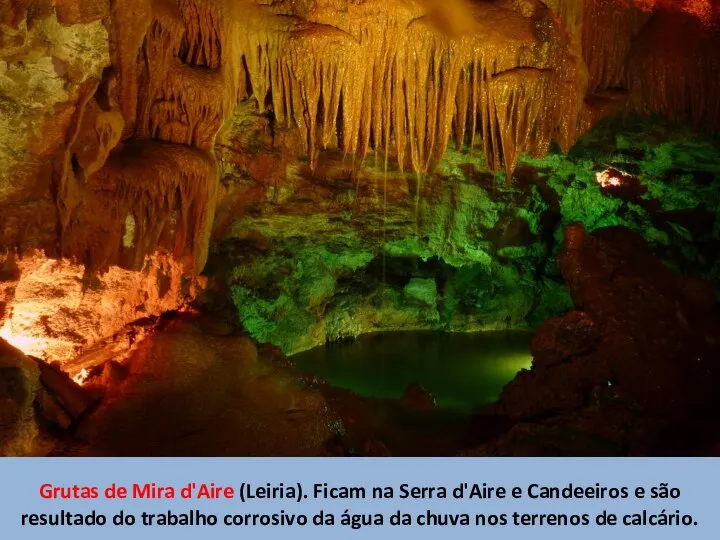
[[359, 227]]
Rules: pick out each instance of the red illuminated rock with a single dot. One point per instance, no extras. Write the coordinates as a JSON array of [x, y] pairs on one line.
[[563, 338], [72, 397], [659, 347], [638, 358]]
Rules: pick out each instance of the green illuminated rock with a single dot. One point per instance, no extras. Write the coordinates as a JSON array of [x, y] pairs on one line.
[[350, 249]]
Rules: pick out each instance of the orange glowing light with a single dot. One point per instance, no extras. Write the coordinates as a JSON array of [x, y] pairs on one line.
[[613, 178], [27, 343], [707, 11], [55, 312], [81, 376]]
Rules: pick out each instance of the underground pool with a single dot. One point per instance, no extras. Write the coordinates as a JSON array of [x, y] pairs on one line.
[[463, 371]]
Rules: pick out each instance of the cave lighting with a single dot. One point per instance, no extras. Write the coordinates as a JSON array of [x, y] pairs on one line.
[[81, 376], [609, 178], [704, 10], [30, 345]]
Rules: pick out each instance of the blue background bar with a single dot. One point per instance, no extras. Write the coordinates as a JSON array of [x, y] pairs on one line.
[[697, 480]]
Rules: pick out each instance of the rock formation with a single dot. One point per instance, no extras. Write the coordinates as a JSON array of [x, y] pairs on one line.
[[637, 359], [312, 258], [111, 108], [19, 382], [137, 135]]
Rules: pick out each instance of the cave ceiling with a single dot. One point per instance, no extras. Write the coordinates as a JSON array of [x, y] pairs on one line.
[[110, 109]]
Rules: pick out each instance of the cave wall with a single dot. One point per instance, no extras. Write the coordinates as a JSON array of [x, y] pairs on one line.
[[108, 191], [110, 109], [116, 104], [306, 257]]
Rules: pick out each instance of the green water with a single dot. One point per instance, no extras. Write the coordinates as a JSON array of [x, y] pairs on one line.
[[463, 371]]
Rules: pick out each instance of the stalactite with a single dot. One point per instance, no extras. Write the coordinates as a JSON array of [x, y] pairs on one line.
[[130, 21], [675, 70], [517, 112], [608, 32], [403, 81], [406, 79], [203, 45], [179, 76], [168, 189]]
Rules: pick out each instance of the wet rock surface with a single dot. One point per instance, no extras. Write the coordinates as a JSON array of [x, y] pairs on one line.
[[194, 390], [636, 362], [417, 398], [62, 401], [339, 210], [19, 383], [308, 257], [563, 337]]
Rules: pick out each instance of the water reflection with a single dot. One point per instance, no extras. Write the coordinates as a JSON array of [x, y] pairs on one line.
[[462, 371]]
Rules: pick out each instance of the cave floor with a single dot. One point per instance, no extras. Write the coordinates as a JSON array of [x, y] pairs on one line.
[[195, 389], [187, 392]]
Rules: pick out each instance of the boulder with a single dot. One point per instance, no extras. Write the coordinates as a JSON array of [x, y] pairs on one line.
[[562, 338], [19, 383], [69, 395], [416, 398], [639, 348], [659, 346]]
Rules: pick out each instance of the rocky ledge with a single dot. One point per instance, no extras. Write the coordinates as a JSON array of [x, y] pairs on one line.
[[633, 370]]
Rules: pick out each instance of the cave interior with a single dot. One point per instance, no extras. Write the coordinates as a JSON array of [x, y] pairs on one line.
[[359, 227]]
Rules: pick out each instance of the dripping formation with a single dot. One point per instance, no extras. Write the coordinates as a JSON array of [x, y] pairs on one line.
[[129, 166], [406, 81], [130, 172], [339, 160], [168, 98], [133, 166]]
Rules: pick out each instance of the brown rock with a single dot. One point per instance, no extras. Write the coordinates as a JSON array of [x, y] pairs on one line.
[[375, 448], [51, 411], [81, 11], [12, 13], [70, 395], [532, 394], [333, 447], [18, 385], [416, 398], [562, 338], [635, 363], [113, 373], [651, 335]]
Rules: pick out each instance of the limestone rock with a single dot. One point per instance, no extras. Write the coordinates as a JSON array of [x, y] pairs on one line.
[[416, 398], [19, 383], [54, 313], [81, 11], [640, 352], [562, 338], [69, 396], [653, 339], [51, 411]]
